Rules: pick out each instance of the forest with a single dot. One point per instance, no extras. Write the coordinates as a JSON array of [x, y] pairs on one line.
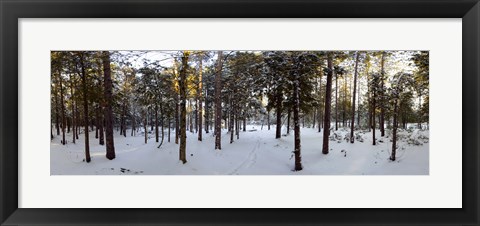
[[239, 112]]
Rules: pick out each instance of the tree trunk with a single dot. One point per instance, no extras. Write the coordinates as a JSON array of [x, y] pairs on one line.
[[382, 102], [237, 126], [352, 126], [183, 109], [169, 126], [177, 121], [85, 109], [278, 132], [191, 116], [200, 97], [319, 114], [336, 101], [151, 120], [74, 129], [314, 117], [108, 115], [344, 101], [358, 101], [218, 102], [97, 120], [121, 123], [156, 123], [374, 97], [288, 121], [328, 101], [162, 124], [231, 125], [133, 124], [145, 120], [62, 108], [69, 123], [125, 119], [57, 117], [419, 111], [369, 98], [207, 114], [77, 117], [101, 140], [296, 111], [268, 119], [244, 122], [394, 132]]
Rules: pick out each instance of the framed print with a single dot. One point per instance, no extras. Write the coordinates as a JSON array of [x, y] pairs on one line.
[[239, 112]]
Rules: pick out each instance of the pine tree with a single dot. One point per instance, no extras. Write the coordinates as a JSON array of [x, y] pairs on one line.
[[108, 115]]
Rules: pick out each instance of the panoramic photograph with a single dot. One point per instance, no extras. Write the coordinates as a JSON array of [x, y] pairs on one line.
[[231, 112]]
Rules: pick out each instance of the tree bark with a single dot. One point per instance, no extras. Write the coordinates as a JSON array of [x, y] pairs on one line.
[[382, 102], [394, 132], [218, 103], [344, 113], [108, 115], [268, 119], [57, 120], [319, 114], [296, 111], [85, 108], [232, 119], [183, 109], [372, 121], [244, 122], [237, 126], [156, 124], [207, 114], [97, 120], [62, 107], [314, 117], [328, 101], [419, 111], [101, 140], [74, 129], [169, 127], [177, 121], [78, 118], [200, 97], [133, 124], [69, 123], [162, 125], [125, 119], [336, 101], [145, 120], [278, 107], [289, 114], [191, 116], [358, 101]]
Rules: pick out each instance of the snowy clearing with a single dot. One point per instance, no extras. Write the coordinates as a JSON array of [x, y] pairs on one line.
[[257, 152]]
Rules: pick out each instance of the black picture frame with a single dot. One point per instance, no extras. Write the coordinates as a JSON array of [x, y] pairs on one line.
[[11, 11]]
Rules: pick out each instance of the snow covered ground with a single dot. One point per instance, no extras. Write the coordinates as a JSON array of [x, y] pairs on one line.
[[257, 152]]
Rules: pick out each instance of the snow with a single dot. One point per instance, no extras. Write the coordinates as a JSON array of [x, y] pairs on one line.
[[257, 152]]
